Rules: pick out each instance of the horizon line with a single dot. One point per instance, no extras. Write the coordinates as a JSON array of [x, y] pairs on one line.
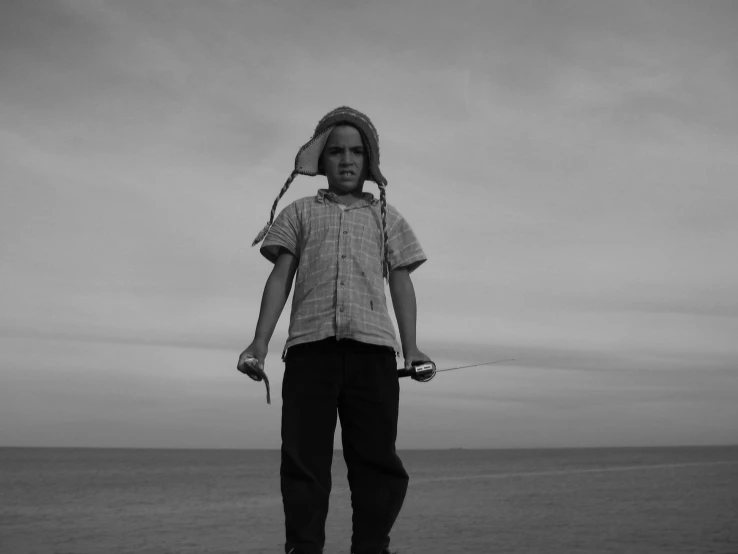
[[498, 448]]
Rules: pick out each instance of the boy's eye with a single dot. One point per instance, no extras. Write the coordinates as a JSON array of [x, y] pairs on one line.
[[337, 151]]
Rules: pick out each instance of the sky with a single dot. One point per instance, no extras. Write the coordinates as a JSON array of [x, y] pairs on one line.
[[570, 169]]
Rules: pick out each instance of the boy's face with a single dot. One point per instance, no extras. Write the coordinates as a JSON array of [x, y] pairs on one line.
[[344, 160]]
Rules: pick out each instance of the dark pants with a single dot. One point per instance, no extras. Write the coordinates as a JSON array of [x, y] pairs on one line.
[[358, 382]]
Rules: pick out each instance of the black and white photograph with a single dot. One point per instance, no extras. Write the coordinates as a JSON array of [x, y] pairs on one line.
[[379, 277]]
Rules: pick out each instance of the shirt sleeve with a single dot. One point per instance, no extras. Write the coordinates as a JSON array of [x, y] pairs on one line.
[[284, 233], [404, 247]]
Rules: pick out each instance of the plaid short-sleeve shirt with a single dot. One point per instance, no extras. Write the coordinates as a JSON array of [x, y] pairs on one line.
[[339, 290]]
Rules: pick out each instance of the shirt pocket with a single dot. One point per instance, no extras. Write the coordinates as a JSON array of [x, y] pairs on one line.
[[370, 244], [369, 256]]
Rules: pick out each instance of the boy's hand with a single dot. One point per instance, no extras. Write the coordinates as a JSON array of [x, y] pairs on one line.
[[251, 362], [415, 356], [256, 350]]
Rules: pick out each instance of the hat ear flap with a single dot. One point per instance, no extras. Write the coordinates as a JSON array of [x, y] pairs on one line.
[[308, 158]]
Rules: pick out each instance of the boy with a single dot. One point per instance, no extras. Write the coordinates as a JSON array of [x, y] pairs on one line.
[[340, 354]]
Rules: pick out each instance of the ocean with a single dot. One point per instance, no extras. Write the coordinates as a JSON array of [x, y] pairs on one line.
[[595, 501]]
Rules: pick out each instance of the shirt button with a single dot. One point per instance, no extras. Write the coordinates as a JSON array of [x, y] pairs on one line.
[[345, 232], [343, 282], [341, 308], [343, 255]]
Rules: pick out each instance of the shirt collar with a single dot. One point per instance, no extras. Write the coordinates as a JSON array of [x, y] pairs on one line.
[[367, 198]]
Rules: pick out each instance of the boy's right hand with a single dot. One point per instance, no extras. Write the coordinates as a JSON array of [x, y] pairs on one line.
[[256, 350]]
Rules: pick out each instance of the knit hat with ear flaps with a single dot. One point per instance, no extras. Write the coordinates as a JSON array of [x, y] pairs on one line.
[[306, 163]]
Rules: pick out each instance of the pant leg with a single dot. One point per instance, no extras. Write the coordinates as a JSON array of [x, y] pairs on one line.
[[368, 407], [309, 392]]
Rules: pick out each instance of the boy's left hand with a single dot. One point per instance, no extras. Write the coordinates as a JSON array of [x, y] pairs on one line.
[[415, 356]]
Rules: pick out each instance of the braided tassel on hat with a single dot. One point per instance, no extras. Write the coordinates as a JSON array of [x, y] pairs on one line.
[[265, 230], [385, 237]]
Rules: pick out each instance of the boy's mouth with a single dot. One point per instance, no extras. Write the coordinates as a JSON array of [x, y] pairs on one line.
[[346, 172]]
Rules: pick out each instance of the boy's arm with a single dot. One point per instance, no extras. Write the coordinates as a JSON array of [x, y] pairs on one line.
[[403, 300], [276, 291]]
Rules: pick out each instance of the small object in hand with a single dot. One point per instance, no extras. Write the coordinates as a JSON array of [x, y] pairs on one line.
[[253, 363], [424, 371]]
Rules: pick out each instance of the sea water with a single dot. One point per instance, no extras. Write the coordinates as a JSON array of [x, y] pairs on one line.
[[621, 500]]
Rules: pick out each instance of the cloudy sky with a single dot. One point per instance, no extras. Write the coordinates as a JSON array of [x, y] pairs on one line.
[[571, 168]]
